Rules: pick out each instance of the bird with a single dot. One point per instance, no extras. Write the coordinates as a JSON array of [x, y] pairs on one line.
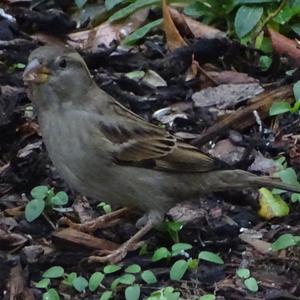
[[105, 151]]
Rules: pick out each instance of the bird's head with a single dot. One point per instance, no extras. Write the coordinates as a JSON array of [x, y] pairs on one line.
[[57, 71]]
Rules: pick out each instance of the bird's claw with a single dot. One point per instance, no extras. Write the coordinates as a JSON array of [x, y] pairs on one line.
[[114, 256]]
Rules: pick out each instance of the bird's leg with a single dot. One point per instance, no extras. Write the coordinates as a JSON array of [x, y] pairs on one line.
[[115, 256], [104, 221]]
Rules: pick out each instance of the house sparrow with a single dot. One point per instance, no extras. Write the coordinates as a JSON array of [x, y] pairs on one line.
[[106, 152]]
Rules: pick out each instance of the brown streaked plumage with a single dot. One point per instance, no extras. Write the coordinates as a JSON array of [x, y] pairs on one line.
[[107, 152]]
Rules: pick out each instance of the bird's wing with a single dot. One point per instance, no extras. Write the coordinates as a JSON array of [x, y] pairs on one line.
[[141, 143]]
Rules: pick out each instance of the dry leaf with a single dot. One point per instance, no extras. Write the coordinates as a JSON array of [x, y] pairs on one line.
[[198, 29], [107, 32], [174, 39], [285, 46]]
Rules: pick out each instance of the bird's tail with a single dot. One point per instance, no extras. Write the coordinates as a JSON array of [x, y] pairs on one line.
[[239, 179]]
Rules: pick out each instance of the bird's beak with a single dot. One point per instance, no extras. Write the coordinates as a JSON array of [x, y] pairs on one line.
[[35, 72]]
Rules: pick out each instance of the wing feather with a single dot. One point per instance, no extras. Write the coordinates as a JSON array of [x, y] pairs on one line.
[[137, 141]]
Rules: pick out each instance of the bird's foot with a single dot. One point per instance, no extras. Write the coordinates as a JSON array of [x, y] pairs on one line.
[[114, 256], [104, 221], [117, 255]]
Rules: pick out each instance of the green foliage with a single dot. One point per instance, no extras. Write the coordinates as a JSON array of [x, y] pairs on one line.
[[149, 277], [166, 293], [172, 228], [285, 241], [43, 198], [141, 32], [54, 272], [242, 19], [243, 273], [178, 269], [161, 253], [283, 107], [249, 282], [80, 3], [179, 248], [19, 66], [95, 280], [106, 295], [211, 257], [133, 269], [131, 8], [272, 205], [51, 294], [287, 175], [80, 284], [110, 4], [111, 269], [133, 292], [106, 207], [246, 19], [127, 278], [43, 284], [265, 62], [208, 297]]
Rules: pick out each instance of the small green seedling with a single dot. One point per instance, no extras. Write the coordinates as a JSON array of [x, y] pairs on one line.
[[43, 198]]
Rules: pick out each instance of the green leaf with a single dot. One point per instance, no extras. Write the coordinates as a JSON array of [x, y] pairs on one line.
[[170, 294], [166, 293], [141, 32], [265, 62], [288, 175], [246, 19], [271, 205], [131, 8], [110, 4], [51, 295], [54, 272], [173, 227], [284, 241], [34, 209], [95, 280], [211, 257], [106, 295], [61, 198], [180, 247], [80, 3], [106, 207], [133, 269], [237, 2], [278, 108], [208, 297], [80, 284], [286, 13], [296, 90], [42, 284], [296, 28], [70, 278], [243, 273], [111, 269], [295, 197], [161, 253], [149, 277], [133, 292], [178, 269], [19, 66], [127, 279], [251, 284], [39, 192], [193, 263], [135, 75]]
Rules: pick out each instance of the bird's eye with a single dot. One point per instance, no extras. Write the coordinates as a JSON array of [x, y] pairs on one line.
[[62, 63]]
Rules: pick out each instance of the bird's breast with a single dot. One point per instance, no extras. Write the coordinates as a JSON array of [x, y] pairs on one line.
[[77, 149]]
